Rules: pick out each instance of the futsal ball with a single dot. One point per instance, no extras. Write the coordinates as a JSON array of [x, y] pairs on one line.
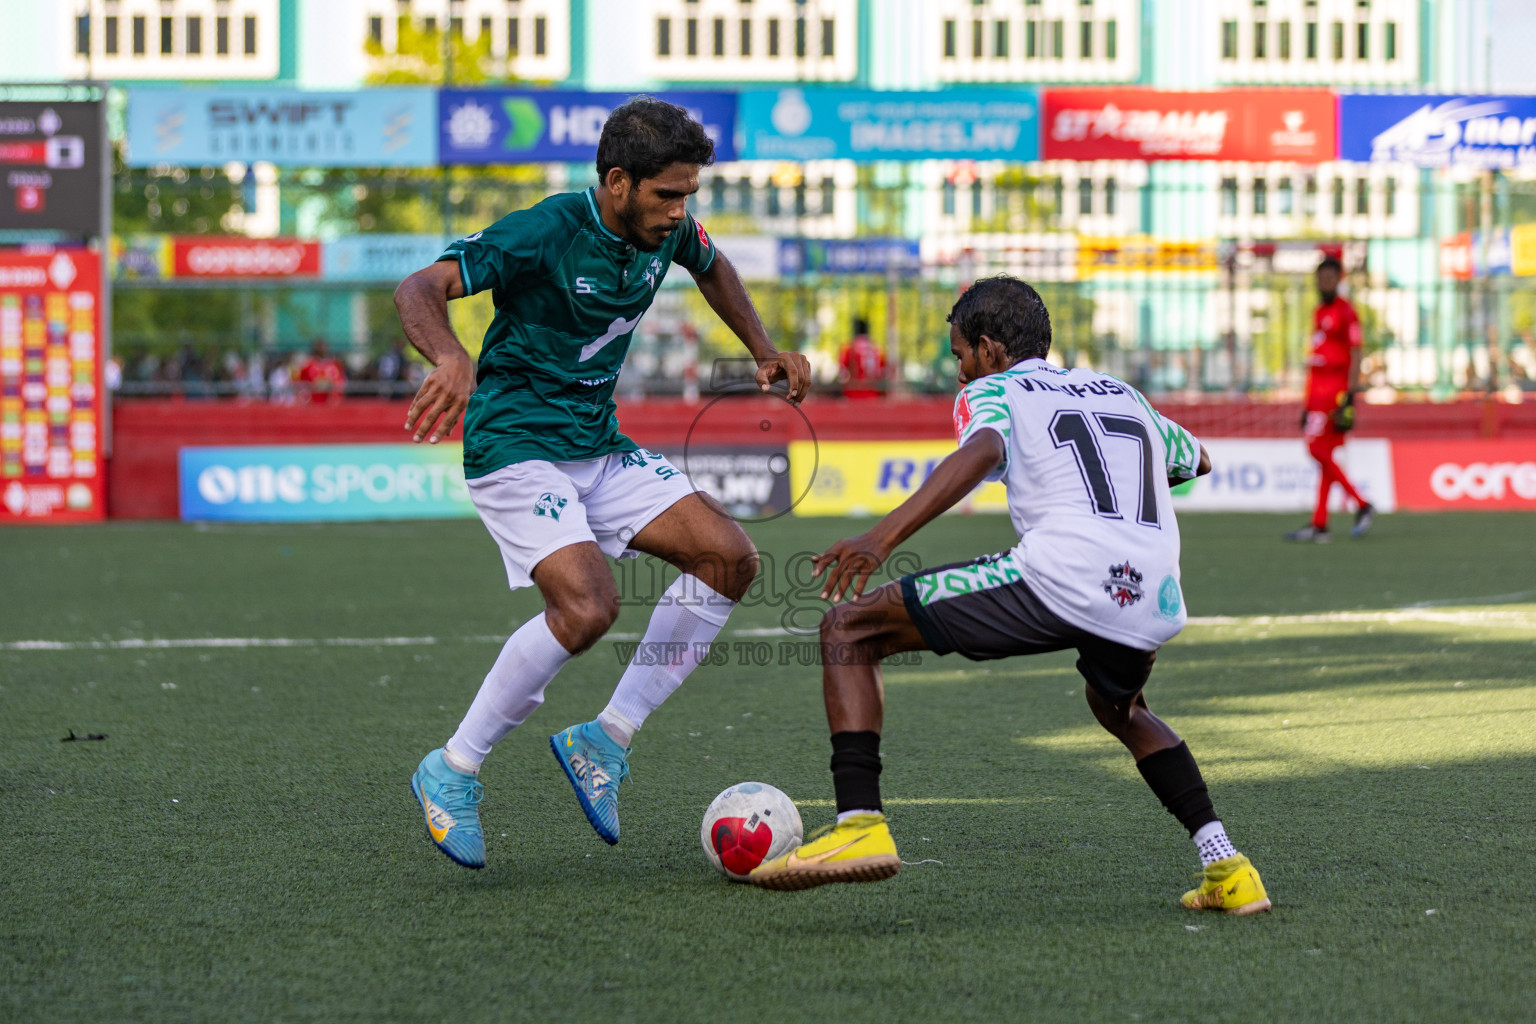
[[748, 824]]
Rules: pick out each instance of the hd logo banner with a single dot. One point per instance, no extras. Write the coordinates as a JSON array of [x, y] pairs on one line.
[[310, 483], [514, 126]]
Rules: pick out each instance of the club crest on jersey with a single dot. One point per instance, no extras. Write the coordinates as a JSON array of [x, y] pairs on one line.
[[1123, 585], [703, 238], [549, 505], [653, 273]]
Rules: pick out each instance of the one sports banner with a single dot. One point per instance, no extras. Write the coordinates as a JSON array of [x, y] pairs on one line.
[[288, 127], [51, 405], [511, 126], [861, 124], [1485, 132], [1149, 124]]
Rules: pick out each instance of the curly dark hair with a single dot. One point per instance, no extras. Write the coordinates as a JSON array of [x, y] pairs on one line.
[[646, 135], [1006, 310]]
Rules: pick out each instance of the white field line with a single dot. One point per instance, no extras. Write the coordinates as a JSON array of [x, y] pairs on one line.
[[1412, 614]]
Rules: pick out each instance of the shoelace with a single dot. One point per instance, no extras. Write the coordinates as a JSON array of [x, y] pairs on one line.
[[474, 792], [616, 767]]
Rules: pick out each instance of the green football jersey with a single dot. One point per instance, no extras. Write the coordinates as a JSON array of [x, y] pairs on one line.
[[569, 294]]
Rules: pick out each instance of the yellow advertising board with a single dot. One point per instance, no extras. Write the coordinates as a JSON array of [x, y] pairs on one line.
[[1143, 253], [855, 478], [1522, 250]]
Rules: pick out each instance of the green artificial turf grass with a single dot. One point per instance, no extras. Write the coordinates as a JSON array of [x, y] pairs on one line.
[[244, 846]]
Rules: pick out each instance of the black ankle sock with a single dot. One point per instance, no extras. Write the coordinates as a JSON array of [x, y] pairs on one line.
[[1175, 778], [856, 770]]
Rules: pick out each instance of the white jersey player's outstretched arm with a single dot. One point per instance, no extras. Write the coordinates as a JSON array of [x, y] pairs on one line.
[[852, 561]]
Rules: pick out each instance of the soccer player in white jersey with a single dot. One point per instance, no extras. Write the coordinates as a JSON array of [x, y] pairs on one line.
[[1087, 464]]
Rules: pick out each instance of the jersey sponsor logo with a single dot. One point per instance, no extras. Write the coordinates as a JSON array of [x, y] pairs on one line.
[[549, 505], [474, 237], [1169, 601], [1123, 585], [585, 286], [617, 329]]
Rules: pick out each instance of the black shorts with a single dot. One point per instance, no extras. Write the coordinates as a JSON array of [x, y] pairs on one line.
[[984, 610]]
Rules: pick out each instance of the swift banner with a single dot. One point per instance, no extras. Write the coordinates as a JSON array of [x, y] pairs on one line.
[[507, 126], [1147, 124], [1485, 132], [858, 124], [368, 128]]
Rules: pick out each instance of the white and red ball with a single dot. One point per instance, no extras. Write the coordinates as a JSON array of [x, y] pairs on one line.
[[748, 824]]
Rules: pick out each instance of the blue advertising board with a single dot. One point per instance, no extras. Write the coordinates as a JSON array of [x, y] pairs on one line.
[[850, 256], [309, 483], [509, 126], [1487, 132], [379, 257], [859, 124], [288, 127]]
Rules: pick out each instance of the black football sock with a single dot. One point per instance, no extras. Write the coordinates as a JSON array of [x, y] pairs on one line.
[[1175, 778], [856, 770]]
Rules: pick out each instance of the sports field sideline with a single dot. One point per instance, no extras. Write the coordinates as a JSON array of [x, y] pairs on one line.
[[243, 844]]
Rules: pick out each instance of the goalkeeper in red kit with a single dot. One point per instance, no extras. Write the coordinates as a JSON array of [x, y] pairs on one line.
[[1333, 380]]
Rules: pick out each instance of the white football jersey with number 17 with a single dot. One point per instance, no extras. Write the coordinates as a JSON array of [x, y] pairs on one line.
[[1087, 468]]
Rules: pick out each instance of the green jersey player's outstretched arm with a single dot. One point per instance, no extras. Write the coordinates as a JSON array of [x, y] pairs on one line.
[[422, 302], [723, 289], [852, 561]]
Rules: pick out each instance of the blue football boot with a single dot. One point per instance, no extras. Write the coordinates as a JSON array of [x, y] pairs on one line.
[[449, 800], [595, 766]]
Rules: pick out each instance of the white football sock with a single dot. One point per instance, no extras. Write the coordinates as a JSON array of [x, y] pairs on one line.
[[843, 816], [1212, 842], [686, 620], [510, 693], [618, 727]]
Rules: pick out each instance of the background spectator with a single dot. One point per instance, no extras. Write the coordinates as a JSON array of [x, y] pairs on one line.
[[862, 365], [321, 377]]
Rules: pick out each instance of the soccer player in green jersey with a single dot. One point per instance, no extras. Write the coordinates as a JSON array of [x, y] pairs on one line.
[[556, 483]]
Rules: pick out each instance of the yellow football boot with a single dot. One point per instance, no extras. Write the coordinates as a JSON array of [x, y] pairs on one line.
[[858, 850], [1231, 886]]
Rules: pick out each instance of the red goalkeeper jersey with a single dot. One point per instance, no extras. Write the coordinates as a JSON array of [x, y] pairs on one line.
[[1335, 335]]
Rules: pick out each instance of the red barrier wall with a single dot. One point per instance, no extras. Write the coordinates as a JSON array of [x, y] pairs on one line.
[[141, 475]]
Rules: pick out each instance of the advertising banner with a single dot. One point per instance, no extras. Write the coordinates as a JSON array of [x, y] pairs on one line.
[[1433, 476], [1144, 254], [861, 478], [235, 256], [1485, 132], [513, 126], [381, 258], [50, 385], [52, 162], [1522, 250], [143, 257], [752, 483], [199, 127], [853, 256], [1278, 475], [309, 483], [1147, 124], [860, 124]]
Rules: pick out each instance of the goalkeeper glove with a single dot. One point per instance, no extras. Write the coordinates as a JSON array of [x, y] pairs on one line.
[[1343, 415]]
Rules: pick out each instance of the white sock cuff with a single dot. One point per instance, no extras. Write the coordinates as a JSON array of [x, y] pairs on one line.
[[541, 640], [843, 816], [692, 594], [460, 761], [1209, 830]]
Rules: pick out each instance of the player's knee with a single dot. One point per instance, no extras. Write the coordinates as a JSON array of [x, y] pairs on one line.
[[841, 625], [1115, 718], [742, 571], [583, 620]]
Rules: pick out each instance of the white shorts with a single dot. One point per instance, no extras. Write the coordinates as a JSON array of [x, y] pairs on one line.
[[535, 508]]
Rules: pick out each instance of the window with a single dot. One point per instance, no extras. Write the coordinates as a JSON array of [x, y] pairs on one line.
[[250, 35], [1285, 200], [774, 205], [691, 28], [1338, 197], [1309, 198], [485, 31], [746, 37], [1338, 40], [976, 38], [1260, 197], [375, 32], [1111, 196], [221, 35], [1031, 44], [1058, 38], [83, 35], [109, 35], [1363, 41], [828, 37], [194, 41], [1311, 40], [167, 37], [1085, 197], [456, 27], [828, 193], [1229, 40], [663, 25], [1111, 44], [719, 28], [976, 199], [1362, 196], [1229, 197], [429, 26], [773, 37], [1284, 42], [1058, 196], [1085, 40], [1000, 40], [663, 37], [1260, 40], [540, 36], [1390, 195], [138, 35], [949, 37], [949, 198], [1389, 42], [716, 195], [799, 37]]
